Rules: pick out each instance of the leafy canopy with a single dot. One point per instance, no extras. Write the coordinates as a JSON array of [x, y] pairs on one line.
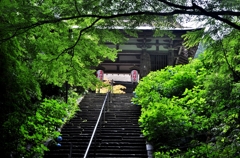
[[50, 42]]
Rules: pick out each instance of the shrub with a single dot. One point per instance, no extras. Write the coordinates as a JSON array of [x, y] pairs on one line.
[[35, 129], [165, 120]]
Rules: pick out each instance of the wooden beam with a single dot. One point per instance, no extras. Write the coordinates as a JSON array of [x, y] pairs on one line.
[[171, 54], [121, 64], [140, 51], [180, 50], [153, 43], [128, 53], [117, 72]]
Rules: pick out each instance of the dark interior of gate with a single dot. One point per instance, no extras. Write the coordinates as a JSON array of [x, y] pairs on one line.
[[146, 53]]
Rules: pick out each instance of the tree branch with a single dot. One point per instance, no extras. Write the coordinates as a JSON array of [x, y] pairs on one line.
[[217, 17], [78, 39], [75, 3], [176, 5], [235, 74], [200, 11], [174, 12]]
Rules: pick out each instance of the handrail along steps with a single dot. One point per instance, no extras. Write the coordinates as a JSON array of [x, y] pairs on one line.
[[107, 99]]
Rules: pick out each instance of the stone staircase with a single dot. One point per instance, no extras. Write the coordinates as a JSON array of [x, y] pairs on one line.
[[120, 135]]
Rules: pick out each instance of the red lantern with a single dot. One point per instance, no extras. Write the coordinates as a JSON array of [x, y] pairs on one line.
[[100, 74], [134, 76]]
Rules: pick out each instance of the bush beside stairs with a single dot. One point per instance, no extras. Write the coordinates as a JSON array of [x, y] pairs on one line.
[[120, 135]]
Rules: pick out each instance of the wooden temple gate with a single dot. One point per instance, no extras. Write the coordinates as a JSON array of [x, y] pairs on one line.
[[147, 53]]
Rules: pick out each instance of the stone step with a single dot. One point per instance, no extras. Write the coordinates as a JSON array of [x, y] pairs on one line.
[[120, 135], [108, 122], [103, 137], [78, 135], [104, 129]]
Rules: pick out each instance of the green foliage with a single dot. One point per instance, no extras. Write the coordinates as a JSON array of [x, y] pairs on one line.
[[161, 33], [44, 124], [37, 48], [73, 104], [164, 122], [167, 82], [171, 154], [196, 108], [40, 127], [57, 64], [163, 119], [19, 88], [56, 41]]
